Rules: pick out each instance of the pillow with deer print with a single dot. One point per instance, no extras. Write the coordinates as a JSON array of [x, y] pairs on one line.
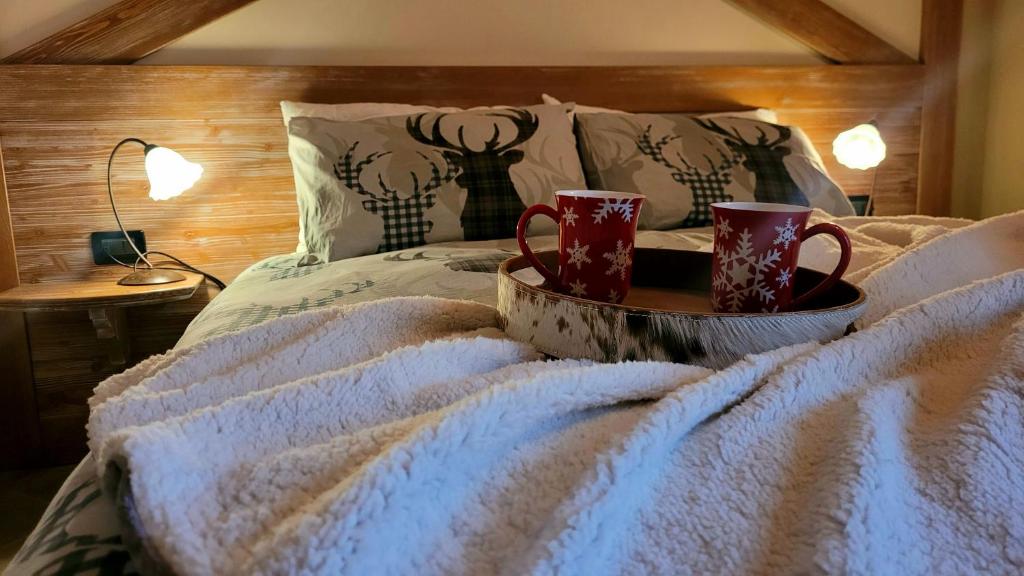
[[685, 163], [396, 182]]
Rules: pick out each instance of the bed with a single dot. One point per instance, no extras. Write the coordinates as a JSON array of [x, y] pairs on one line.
[[234, 112], [81, 531]]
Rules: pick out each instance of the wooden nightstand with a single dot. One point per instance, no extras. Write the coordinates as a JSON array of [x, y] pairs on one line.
[[77, 334], [103, 299]]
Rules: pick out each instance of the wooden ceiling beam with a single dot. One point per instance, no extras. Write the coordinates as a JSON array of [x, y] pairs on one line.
[[125, 32], [940, 53], [8, 259], [824, 30]]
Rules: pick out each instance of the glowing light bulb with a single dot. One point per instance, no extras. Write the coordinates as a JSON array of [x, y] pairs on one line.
[[169, 173], [860, 147]]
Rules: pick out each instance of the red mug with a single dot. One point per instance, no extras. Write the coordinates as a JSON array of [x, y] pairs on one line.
[[596, 238], [755, 256]]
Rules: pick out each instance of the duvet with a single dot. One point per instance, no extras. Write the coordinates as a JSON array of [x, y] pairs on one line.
[[79, 531]]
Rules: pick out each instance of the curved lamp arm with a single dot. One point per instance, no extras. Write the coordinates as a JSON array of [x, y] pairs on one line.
[[169, 175], [113, 205]]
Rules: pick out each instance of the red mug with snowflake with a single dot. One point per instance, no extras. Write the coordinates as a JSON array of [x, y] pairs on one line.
[[596, 236], [757, 245]]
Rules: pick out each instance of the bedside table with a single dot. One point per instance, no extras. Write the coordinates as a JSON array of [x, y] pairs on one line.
[[73, 335], [103, 299]]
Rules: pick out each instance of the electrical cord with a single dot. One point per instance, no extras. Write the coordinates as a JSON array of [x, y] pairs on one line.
[[182, 265], [186, 266]]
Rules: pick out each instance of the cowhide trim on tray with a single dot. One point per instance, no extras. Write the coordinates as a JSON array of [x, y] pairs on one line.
[[567, 327]]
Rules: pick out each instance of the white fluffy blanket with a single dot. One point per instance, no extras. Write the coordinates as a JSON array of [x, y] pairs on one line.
[[409, 436]]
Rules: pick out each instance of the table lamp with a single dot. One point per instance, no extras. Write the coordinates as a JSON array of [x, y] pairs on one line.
[[169, 175], [861, 148]]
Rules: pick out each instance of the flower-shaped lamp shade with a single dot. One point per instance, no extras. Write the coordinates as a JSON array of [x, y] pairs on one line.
[[169, 173], [860, 147]]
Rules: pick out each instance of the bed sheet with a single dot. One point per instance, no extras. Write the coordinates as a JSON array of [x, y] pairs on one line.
[[277, 287]]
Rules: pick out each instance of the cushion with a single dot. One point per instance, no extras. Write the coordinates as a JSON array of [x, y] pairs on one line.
[[348, 112], [396, 182], [684, 163]]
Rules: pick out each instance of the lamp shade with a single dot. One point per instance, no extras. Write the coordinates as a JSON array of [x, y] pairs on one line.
[[860, 147], [169, 173]]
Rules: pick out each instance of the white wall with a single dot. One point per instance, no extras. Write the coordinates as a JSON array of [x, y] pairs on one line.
[[469, 32], [1003, 184], [898, 22], [25, 22], [527, 32], [974, 75], [989, 167]]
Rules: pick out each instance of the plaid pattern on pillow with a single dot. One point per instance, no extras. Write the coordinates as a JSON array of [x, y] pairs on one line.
[[397, 182], [405, 222], [683, 164]]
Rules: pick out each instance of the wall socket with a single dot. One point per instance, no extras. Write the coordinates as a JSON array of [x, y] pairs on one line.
[[106, 245]]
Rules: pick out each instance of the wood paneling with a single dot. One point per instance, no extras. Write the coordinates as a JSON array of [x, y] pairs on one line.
[[242, 210], [940, 52], [59, 123], [895, 187], [824, 30], [125, 32], [57, 126], [135, 93]]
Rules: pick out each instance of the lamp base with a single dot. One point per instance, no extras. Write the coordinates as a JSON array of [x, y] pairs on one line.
[[149, 277]]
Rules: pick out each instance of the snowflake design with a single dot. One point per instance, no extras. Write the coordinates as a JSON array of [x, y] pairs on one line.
[[742, 274], [724, 229], [578, 288], [619, 260], [623, 206], [787, 233], [578, 254], [784, 277], [570, 216], [613, 297]]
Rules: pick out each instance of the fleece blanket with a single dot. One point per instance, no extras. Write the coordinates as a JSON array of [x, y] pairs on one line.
[[410, 436]]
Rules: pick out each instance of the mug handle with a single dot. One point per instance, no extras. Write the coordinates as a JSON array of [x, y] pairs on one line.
[[844, 260], [524, 220]]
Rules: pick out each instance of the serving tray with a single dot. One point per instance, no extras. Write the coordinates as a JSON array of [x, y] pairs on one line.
[[666, 316]]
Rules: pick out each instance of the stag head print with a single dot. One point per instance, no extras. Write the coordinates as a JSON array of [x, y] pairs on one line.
[[492, 205], [405, 222], [764, 158], [707, 187]]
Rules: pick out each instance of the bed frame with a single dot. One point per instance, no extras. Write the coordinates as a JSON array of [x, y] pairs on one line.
[[59, 122]]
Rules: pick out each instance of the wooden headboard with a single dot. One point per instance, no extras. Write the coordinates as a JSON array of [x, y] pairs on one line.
[[58, 124]]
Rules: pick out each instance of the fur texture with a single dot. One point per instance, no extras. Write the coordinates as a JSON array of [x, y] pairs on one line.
[[411, 436]]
